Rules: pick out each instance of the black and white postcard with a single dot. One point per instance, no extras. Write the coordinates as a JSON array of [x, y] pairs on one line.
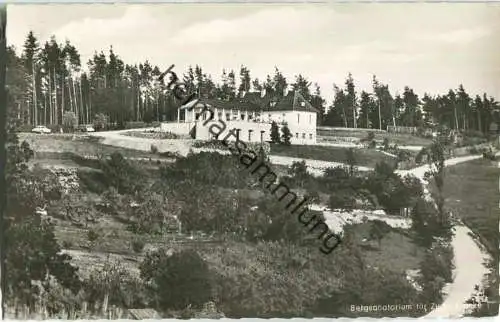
[[250, 160]]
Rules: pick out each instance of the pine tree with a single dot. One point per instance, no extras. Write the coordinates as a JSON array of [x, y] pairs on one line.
[[245, 81], [279, 83], [302, 86], [256, 85], [367, 109], [30, 56], [275, 133], [351, 100], [318, 102], [412, 114], [286, 135]]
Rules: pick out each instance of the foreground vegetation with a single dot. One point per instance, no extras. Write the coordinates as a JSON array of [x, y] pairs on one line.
[[132, 231]]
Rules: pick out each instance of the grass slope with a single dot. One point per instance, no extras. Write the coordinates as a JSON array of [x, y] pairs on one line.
[[365, 157], [471, 191]]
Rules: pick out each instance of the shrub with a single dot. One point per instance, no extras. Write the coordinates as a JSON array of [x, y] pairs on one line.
[[121, 174], [178, 280], [386, 144], [138, 245], [489, 155], [70, 121], [92, 235], [100, 122], [343, 199], [286, 135], [275, 133], [67, 244], [154, 149]]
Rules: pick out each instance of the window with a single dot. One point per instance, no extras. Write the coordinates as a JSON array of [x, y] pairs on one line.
[[310, 119], [219, 116], [303, 135], [242, 117], [269, 115], [250, 135], [297, 135], [197, 116], [228, 116], [310, 136]]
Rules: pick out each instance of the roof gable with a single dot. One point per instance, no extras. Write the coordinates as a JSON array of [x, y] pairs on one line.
[[253, 101]]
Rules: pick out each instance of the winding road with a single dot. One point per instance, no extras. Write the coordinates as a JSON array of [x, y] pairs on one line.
[[469, 258]]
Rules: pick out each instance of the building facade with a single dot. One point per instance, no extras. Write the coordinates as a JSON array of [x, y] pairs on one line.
[[250, 116]]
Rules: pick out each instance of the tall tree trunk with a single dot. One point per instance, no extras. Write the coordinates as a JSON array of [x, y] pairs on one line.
[[105, 303], [45, 109], [77, 110], [56, 106], [50, 98], [138, 105], [63, 90], [70, 96], [456, 117], [479, 120], [35, 103], [81, 98], [89, 106], [354, 120]]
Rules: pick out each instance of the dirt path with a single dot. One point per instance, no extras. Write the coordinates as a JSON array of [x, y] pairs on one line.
[[469, 270]]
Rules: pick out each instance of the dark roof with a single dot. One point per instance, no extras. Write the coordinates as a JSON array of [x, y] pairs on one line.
[[253, 101]]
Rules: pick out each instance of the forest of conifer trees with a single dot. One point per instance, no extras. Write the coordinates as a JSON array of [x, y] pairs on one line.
[[48, 81]]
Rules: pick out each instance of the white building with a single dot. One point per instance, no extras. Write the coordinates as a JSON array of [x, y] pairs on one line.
[[251, 116]]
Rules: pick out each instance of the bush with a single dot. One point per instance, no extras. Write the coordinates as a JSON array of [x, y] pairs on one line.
[[386, 144], [154, 149], [118, 172], [138, 245], [286, 135], [489, 155], [100, 122], [343, 199], [70, 121], [67, 244], [92, 235], [178, 280], [275, 133]]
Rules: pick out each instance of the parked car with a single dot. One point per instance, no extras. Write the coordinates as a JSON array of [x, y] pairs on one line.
[[85, 128], [41, 129]]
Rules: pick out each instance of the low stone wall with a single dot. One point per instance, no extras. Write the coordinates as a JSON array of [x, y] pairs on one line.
[[216, 146], [181, 128], [180, 146], [339, 139]]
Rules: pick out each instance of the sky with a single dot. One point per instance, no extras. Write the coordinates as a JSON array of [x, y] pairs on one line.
[[429, 47]]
